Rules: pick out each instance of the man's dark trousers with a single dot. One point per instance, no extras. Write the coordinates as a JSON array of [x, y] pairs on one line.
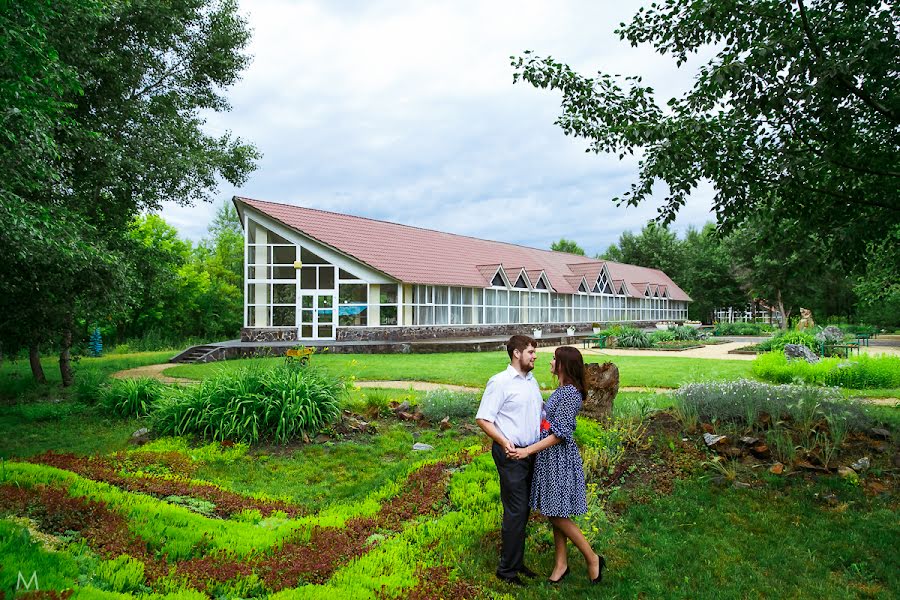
[[515, 487]]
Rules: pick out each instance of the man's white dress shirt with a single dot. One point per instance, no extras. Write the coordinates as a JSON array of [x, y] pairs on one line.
[[512, 402]]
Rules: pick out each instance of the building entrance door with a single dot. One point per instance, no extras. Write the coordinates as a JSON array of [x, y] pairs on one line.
[[317, 318]]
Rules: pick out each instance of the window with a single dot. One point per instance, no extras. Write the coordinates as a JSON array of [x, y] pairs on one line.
[[520, 283], [387, 298], [497, 281]]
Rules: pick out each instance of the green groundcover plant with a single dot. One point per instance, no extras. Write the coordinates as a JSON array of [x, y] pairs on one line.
[[440, 403], [863, 372], [778, 341], [745, 400], [741, 328], [280, 403]]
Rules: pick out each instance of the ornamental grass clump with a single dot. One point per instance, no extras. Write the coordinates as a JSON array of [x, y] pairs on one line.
[[252, 404], [132, 397], [862, 372], [632, 337], [440, 403], [743, 401]]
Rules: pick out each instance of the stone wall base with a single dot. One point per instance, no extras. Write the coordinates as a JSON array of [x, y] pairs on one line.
[[422, 332]]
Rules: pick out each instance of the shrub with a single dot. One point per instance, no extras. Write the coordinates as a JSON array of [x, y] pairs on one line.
[[251, 404], [782, 338], [858, 373], [440, 403], [667, 335], [631, 337], [686, 333], [743, 401], [741, 328], [89, 385], [132, 397]]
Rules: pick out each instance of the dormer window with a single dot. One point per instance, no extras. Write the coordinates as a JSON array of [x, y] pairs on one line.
[[583, 288], [540, 284], [520, 283], [497, 281]]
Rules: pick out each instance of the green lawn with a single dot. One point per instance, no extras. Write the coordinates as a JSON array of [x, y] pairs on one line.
[[16, 380], [475, 368]]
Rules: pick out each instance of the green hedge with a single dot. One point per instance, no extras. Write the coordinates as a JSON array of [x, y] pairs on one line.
[[858, 373]]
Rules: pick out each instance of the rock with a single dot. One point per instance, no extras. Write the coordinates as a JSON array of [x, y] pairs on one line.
[[707, 428], [322, 438], [846, 472], [809, 466], [748, 441], [776, 469], [141, 436], [793, 351], [402, 407], [880, 447], [306, 439], [416, 435], [714, 440], [861, 465], [445, 424], [733, 452], [878, 432], [420, 447], [740, 485], [405, 416], [760, 451], [764, 419], [602, 384]]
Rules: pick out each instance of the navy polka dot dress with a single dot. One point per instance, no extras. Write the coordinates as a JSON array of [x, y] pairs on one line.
[[558, 488]]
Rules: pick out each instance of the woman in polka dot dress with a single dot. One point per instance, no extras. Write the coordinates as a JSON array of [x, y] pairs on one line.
[[558, 490]]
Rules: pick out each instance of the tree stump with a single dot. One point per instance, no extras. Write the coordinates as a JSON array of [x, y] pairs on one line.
[[601, 384]]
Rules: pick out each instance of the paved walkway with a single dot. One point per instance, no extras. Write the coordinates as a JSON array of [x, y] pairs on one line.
[[153, 372]]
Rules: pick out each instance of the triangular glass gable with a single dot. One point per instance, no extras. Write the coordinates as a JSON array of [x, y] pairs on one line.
[[520, 283], [583, 288], [497, 281], [540, 284]]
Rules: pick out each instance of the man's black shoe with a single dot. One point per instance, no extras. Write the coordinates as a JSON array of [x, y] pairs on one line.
[[526, 572], [514, 580]]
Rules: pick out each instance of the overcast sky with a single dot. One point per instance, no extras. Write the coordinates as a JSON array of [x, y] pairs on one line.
[[406, 111]]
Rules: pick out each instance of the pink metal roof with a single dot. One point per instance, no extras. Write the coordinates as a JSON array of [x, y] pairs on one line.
[[415, 255]]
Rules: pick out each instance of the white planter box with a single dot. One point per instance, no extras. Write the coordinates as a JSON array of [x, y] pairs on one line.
[[570, 331], [536, 333]]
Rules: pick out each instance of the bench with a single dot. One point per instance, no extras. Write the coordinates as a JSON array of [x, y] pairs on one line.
[[594, 341], [862, 339], [840, 349]]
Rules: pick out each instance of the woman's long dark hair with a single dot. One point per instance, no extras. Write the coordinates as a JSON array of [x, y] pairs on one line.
[[570, 367]]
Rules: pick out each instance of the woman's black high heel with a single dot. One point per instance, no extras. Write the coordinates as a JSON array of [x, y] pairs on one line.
[[561, 577], [599, 577]]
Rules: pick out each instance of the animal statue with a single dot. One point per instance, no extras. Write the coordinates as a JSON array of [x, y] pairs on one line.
[[806, 320]]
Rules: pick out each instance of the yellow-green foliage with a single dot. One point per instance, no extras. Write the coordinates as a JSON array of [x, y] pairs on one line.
[[122, 574], [213, 452], [858, 373]]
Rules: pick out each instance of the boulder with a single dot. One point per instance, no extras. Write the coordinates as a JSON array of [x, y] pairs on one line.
[[140, 437], [794, 351], [445, 424], [402, 407], [776, 469], [760, 451], [748, 441], [878, 432], [861, 465], [420, 447], [601, 384], [715, 440], [846, 472]]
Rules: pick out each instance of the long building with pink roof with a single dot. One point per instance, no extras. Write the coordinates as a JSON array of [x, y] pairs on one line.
[[319, 275]]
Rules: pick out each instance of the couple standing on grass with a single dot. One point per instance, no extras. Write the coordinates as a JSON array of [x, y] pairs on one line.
[[536, 456]]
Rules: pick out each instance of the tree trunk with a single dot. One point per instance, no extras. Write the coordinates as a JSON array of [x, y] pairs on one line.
[[65, 355], [34, 357], [784, 315]]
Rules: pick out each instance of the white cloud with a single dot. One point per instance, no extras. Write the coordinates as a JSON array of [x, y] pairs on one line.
[[406, 111]]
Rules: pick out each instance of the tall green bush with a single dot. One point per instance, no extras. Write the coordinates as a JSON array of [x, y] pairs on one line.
[[251, 404], [777, 342], [132, 397]]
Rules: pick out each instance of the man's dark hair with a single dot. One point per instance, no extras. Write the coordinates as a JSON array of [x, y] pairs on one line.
[[519, 342]]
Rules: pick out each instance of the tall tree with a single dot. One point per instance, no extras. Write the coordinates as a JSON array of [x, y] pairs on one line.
[[134, 133], [797, 114], [564, 245], [708, 275], [655, 247]]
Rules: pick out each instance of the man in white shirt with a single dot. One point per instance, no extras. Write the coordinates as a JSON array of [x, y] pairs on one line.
[[510, 414]]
